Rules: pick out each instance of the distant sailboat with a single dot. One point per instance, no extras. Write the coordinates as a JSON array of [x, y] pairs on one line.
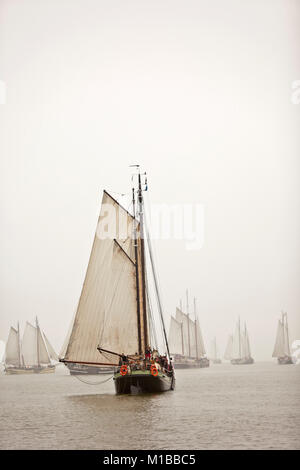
[[31, 355], [282, 345], [186, 341], [114, 324], [241, 353], [214, 357]]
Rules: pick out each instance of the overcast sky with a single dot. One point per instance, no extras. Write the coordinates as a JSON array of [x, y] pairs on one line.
[[198, 92]]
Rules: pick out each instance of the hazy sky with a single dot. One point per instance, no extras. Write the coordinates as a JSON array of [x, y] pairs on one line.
[[199, 93]]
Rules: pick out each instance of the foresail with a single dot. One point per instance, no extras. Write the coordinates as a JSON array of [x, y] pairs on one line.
[[287, 350], [107, 311], [183, 318], [50, 349], [247, 345], [175, 337], [279, 343], [200, 343], [29, 345], [237, 344], [12, 348]]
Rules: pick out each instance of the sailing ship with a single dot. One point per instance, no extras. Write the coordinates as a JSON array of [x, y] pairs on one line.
[[114, 323], [282, 345], [34, 354], [238, 347], [214, 352], [186, 341]]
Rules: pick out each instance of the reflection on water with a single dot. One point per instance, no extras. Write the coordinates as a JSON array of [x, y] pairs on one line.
[[222, 406]]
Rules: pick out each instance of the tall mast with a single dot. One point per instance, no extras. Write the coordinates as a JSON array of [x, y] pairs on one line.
[[182, 343], [37, 341], [195, 314], [188, 317], [19, 348], [137, 276], [143, 274]]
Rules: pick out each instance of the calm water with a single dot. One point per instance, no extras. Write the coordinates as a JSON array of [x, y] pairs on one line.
[[222, 407]]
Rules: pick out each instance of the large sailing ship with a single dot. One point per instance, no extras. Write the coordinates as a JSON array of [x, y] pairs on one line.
[[238, 347], [34, 354], [282, 344], [114, 325], [214, 357], [186, 341]]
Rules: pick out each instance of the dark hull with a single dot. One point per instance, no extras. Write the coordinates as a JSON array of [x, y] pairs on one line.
[[284, 360], [243, 361], [141, 382]]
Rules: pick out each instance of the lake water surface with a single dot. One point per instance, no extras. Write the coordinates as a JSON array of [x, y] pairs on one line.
[[220, 407]]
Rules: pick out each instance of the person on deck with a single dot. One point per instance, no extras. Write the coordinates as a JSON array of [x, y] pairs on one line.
[[148, 353]]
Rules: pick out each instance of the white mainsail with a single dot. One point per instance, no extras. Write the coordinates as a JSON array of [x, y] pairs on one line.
[[199, 338], [192, 337], [34, 350], [279, 342], [12, 348], [107, 311], [247, 350], [237, 343], [183, 318], [175, 337], [287, 350], [229, 348]]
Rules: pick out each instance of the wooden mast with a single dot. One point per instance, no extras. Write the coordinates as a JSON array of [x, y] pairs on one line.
[[139, 245], [143, 274], [137, 276]]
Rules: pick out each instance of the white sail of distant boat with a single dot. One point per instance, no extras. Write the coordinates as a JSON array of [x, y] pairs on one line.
[[193, 344], [241, 353], [34, 350], [12, 350], [32, 354], [282, 345], [229, 348], [237, 342], [176, 337], [279, 349], [247, 350]]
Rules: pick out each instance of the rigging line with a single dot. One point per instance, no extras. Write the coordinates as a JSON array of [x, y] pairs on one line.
[[152, 324], [92, 383], [152, 253], [156, 286]]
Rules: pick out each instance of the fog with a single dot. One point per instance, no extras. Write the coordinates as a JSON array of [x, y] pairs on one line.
[[198, 93]]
